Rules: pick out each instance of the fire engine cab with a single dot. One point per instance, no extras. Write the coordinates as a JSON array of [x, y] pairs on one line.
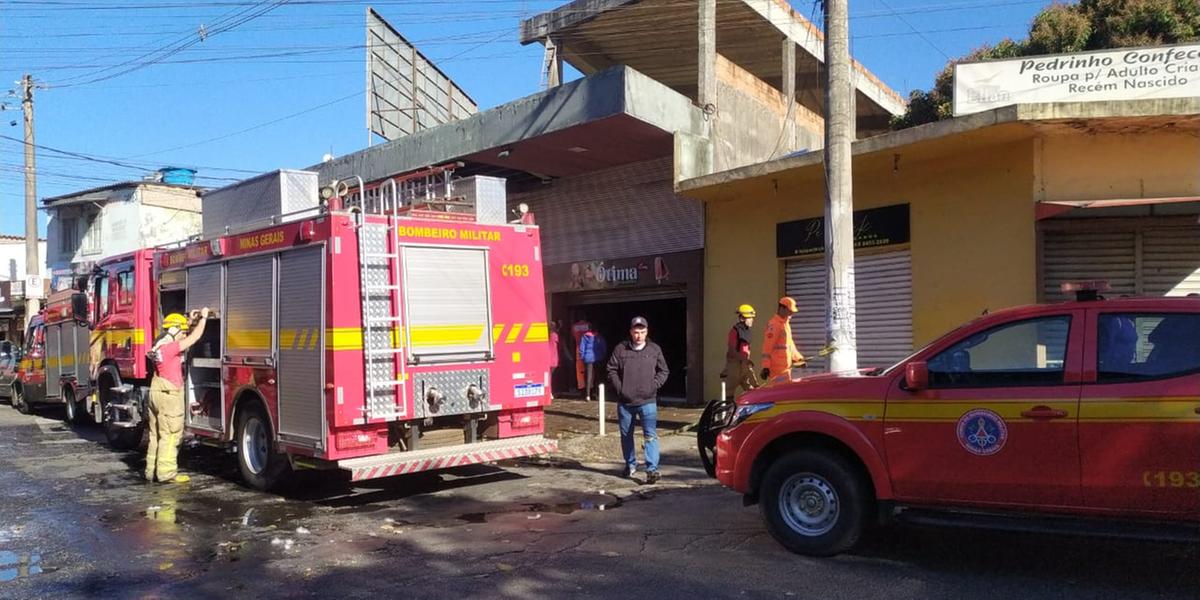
[[1081, 416]]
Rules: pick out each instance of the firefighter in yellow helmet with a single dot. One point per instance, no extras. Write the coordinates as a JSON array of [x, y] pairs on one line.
[[739, 369], [779, 354], [166, 393]]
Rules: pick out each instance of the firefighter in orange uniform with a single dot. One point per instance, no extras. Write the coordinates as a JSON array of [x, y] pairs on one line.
[[779, 354]]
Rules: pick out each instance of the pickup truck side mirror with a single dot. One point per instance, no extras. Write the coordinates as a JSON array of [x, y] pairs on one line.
[[79, 308], [916, 376]]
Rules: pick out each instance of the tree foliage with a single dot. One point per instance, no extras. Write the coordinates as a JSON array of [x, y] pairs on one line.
[[1059, 28]]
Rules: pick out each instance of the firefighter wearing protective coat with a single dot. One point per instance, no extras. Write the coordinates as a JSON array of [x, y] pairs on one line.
[[166, 394], [779, 354], [739, 369]]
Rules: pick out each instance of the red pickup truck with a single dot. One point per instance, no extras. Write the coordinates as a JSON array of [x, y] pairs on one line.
[[1073, 416]]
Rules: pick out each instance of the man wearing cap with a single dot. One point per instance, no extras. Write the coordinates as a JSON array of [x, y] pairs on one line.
[[636, 371], [779, 353]]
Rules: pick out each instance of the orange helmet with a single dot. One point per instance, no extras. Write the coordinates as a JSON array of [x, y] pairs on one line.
[[790, 303]]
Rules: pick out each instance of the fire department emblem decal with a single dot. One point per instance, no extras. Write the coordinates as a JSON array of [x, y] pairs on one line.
[[982, 432]]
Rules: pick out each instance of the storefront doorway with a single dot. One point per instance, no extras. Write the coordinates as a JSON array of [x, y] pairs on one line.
[[668, 329]]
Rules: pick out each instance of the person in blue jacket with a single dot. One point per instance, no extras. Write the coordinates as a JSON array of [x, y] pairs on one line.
[[592, 350]]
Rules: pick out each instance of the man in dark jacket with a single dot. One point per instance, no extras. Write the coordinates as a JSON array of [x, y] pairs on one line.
[[637, 370]]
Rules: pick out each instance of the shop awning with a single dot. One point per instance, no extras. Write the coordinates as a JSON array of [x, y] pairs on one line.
[[1052, 208]]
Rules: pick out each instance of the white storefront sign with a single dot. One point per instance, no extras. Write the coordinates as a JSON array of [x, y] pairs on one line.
[[1121, 74]]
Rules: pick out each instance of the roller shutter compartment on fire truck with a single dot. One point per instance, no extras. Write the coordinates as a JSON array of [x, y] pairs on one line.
[[300, 339], [448, 304]]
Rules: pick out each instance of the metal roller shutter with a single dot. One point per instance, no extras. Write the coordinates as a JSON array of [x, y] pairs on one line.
[[301, 344], [83, 353], [1088, 256], [54, 358], [1147, 261], [883, 289], [448, 302], [1171, 262], [621, 212], [249, 306], [204, 287]]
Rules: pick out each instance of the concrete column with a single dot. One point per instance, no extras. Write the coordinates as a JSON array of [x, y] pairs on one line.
[[706, 77], [789, 93], [552, 63]]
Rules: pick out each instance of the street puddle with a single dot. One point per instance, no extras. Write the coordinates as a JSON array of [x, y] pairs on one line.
[[14, 566], [598, 502]]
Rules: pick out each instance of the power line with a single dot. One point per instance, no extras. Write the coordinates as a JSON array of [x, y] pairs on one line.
[[252, 128], [914, 29], [222, 25]]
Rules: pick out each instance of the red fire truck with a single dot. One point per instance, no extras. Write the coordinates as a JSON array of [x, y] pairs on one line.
[[385, 330], [54, 368]]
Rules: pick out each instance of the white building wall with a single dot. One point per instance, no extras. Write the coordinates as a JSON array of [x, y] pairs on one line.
[[159, 225], [12, 259], [132, 218]]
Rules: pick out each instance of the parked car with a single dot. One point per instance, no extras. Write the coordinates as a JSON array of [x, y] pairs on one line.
[[10, 356], [1081, 416]]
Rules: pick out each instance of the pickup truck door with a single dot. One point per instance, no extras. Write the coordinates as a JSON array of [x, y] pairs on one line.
[[1139, 419], [997, 424]]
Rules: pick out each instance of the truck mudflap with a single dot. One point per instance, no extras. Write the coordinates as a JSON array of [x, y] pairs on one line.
[[402, 463]]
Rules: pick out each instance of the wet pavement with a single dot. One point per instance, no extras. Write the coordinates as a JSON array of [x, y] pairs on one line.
[[77, 521]]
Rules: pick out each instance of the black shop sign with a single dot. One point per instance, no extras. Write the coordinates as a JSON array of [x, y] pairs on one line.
[[873, 228]]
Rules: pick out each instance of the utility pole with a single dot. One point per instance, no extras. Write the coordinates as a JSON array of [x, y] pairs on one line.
[[839, 199], [32, 304]]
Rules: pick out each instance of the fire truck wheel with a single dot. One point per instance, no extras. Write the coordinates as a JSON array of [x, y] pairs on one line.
[[18, 401], [261, 466], [124, 438], [73, 407], [813, 502]]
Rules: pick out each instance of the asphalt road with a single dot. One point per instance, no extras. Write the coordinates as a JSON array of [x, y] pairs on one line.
[[77, 521]]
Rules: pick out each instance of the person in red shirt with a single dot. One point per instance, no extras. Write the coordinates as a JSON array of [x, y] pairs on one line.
[[166, 394], [739, 369]]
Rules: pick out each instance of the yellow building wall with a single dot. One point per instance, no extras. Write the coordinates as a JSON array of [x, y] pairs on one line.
[[973, 239], [1134, 164]]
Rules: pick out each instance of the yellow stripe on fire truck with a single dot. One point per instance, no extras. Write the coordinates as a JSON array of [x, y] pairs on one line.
[[1172, 409], [118, 337], [446, 335]]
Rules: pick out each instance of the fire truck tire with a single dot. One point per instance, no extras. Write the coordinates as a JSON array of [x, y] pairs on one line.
[[262, 467], [124, 438], [18, 401], [73, 408], [814, 502]]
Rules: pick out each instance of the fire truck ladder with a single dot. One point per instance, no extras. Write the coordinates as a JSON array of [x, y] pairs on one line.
[[379, 277]]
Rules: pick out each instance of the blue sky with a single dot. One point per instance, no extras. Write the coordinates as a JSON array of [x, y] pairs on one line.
[[284, 88]]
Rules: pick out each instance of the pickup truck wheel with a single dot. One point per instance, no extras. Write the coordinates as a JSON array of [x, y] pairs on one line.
[[261, 466], [18, 401], [813, 503]]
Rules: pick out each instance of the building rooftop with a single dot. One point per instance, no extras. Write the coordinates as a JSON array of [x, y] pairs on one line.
[[659, 39], [104, 192], [961, 134]]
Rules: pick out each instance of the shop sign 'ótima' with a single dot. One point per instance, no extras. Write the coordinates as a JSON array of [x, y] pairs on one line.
[[1120, 74]]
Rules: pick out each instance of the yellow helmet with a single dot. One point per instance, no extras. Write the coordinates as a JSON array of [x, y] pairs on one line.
[[175, 320], [745, 311]]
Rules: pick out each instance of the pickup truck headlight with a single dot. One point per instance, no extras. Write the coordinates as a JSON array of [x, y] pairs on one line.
[[744, 412]]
